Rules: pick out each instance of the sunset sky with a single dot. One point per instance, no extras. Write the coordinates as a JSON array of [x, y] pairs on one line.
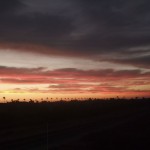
[[74, 48]]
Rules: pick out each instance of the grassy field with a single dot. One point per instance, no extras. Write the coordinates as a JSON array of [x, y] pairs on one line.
[[76, 125]]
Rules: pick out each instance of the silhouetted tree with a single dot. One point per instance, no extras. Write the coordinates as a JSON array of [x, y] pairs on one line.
[[4, 98]]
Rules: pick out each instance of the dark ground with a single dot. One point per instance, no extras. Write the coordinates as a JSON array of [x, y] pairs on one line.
[[87, 125]]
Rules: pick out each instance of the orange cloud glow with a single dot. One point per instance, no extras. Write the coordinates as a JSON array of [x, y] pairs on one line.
[[105, 82]]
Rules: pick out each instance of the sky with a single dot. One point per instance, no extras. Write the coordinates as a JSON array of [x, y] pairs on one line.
[[74, 48]]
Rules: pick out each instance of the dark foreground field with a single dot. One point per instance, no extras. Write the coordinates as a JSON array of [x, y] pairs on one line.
[[88, 125]]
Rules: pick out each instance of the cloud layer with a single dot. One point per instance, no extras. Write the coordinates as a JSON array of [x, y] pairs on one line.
[[72, 80], [114, 33], [103, 30]]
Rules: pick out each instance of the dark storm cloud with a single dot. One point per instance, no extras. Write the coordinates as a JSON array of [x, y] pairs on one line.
[[7, 6], [134, 61], [41, 28], [84, 28]]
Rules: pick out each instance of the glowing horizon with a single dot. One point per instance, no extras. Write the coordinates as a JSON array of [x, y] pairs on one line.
[[68, 82]]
